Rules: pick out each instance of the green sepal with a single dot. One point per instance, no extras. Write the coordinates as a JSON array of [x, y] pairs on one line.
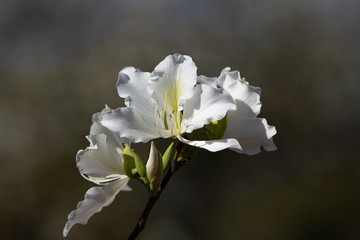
[[140, 166], [134, 166], [213, 130], [129, 162], [166, 158], [134, 171], [144, 180]]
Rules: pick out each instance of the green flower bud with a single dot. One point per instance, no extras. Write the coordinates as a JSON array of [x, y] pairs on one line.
[[166, 158]]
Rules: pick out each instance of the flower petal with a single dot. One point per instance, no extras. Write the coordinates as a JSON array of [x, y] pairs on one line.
[[173, 82], [132, 85], [242, 123], [252, 133], [97, 128], [211, 81], [135, 126], [208, 104], [102, 161], [240, 89], [213, 145], [95, 199]]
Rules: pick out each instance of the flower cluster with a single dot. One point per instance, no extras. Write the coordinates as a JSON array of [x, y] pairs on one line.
[[213, 113]]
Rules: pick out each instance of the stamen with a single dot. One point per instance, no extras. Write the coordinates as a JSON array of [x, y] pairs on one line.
[[172, 128], [176, 120], [165, 121]]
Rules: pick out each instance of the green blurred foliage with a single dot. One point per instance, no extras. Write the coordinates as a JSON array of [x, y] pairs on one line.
[[58, 65]]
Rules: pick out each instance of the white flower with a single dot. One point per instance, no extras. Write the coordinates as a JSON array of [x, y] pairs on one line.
[[167, 103], [242, 123], [102, 163]]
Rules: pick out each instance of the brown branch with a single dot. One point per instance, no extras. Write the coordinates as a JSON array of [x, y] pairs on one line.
[[142, 220], [175, 165]]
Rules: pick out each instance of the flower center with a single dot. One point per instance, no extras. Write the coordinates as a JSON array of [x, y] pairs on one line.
[[169, 117], [169, 114]]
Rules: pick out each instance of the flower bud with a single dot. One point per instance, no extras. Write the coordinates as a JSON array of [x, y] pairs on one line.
[[153, 164], [166, 158]]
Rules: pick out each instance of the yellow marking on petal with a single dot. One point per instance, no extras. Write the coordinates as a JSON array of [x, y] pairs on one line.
[[112, 176], [175, 92], [104, 179]]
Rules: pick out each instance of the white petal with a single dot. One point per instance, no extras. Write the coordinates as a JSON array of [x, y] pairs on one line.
[[242, 123], [126, 188], [135, 126], [211, 81], [132, 85], [98, 128], [173, 82], [252, 133], [213, 145], [101, 162], [208, 104], [95, 199], [96, 117], [240, 89]]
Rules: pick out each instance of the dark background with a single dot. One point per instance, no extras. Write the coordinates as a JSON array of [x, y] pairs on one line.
[[59, 62]]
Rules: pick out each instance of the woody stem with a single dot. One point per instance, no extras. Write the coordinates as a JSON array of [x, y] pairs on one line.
[[175, 165]]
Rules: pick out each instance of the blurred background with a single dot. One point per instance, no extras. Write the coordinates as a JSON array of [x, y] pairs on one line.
[[59, 62]]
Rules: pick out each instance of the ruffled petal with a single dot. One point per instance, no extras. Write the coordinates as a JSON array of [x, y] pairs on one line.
[[96, 117], [133, 125], [208, 104], [251, 133], [97, 128], [213, 145], [102, 161], [132, 85], [95, 199], [211, 81], [240, 89], [242, 123], [173, 82]]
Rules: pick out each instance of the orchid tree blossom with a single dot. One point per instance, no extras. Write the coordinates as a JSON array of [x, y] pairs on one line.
[[102, 163], [169, 102], [240, 123]]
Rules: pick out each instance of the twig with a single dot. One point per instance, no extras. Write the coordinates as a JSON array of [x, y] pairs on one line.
[[175, 165]]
